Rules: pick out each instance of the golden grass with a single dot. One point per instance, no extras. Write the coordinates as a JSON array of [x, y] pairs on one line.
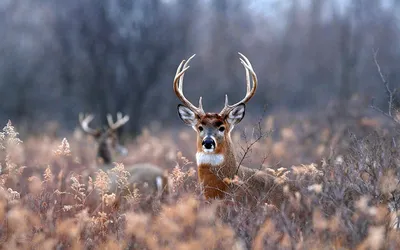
[[52, 196]]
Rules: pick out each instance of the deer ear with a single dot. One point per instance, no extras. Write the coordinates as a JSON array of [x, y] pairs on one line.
[[236, 114], [187, 115]]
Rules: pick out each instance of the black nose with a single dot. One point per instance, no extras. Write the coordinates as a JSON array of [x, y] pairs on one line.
[[208, 143]]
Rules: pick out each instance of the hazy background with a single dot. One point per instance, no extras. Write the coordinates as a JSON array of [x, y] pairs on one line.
[[59, 58]]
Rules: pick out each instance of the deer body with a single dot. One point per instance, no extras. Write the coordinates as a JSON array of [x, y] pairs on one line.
[[215, 169], [149, 179], [215, 156]]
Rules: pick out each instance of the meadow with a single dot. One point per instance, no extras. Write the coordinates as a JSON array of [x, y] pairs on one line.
[[347, 171], [330, 127]]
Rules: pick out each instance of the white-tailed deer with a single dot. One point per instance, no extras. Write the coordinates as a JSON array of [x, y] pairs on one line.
[[149, 179], [216, 161]]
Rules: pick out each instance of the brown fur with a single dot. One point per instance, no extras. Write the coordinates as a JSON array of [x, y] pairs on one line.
[[214, 186], [254, 185]]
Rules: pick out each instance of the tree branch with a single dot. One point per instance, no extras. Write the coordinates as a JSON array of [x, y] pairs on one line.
[[389, 92], [249, 145]]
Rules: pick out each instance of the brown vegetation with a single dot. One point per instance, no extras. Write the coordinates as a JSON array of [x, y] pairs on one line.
[[347, 198], [139, 182]]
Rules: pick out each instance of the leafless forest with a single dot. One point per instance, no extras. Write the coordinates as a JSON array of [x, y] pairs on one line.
[[325, 117]]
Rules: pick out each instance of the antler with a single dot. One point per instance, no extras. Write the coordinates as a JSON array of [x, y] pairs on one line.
[[84, 120], [120, 121], [178, 87], [250, 91]]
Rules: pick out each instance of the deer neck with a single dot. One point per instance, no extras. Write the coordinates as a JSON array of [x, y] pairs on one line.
[[224, 160], [213, 168], [104, 153]]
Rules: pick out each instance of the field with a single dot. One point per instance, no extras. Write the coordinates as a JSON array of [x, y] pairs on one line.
[[322, 125], [347, 171]]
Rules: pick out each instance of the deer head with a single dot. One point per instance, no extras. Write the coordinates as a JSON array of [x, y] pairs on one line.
[[107, 138], [213, 129]]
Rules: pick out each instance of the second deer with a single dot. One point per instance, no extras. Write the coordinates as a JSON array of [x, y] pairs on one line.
[[215, 156], [150, 180]]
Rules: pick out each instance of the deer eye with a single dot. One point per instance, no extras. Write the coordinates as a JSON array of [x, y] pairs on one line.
[[200, 128], [221, 129]]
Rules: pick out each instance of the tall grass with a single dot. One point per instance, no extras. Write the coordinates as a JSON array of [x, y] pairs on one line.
[[53, 197]]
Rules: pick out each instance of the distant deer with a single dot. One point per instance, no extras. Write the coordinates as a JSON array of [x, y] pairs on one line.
[[148, 178], [215, 155]]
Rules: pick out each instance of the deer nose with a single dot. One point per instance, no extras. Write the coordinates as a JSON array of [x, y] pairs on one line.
[[208, 143]]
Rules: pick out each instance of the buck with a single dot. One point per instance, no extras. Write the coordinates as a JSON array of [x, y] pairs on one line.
[[149, 179], [215, 156]]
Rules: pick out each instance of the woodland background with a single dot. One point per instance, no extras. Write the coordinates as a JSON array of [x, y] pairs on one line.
[[59, 58]]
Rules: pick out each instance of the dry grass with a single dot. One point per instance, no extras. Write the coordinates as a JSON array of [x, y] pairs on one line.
[[347, 184]]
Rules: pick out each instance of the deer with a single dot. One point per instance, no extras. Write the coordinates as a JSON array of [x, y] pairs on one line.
[[215, 156], [150, 180]]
